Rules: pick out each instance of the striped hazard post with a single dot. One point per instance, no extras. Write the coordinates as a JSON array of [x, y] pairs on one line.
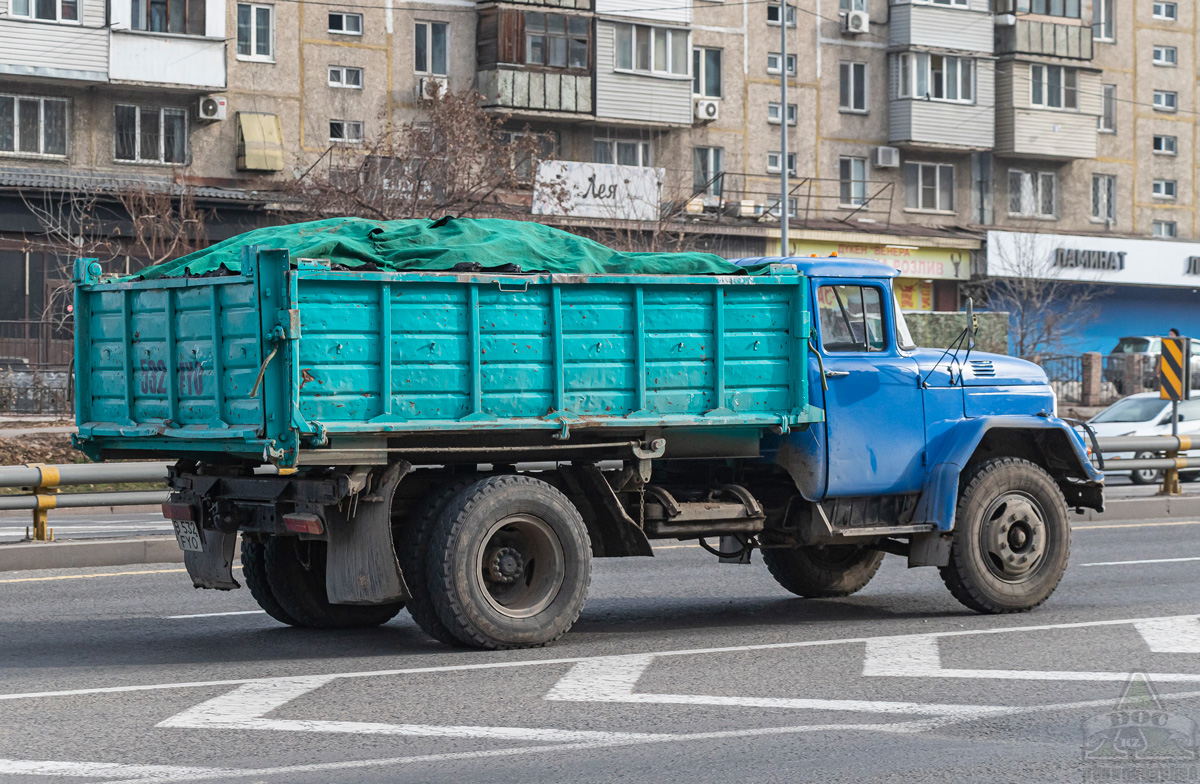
[[1173, 369]]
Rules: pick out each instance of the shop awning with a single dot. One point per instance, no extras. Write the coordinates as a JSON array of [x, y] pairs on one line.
[[260, 142]]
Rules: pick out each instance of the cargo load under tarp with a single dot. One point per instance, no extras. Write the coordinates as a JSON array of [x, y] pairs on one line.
[[465, 244]]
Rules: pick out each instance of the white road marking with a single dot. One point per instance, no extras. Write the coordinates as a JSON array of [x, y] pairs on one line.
[[245, 708], [106, 770], [576, 659], [1171, 635], [216, 614], [917, 657], [1146, 561], [613, 679]]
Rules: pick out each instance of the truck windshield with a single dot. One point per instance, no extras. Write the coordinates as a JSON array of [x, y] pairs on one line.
[[1131, 409], [903, 337]]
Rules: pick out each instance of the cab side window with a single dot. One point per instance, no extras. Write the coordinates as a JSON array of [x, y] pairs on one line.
[[851, 318]]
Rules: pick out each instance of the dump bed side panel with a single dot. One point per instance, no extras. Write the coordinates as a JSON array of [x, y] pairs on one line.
[[421, 351]]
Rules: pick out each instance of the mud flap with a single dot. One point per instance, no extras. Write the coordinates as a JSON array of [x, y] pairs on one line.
[[213, 568], [361, 565]]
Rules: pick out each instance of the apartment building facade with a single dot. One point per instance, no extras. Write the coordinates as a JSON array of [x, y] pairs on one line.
[[915, 127]]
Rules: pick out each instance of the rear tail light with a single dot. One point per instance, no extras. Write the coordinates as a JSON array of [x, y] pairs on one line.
[[303, 523], [176, 510]]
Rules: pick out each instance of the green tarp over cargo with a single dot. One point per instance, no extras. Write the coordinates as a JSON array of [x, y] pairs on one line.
[[483, 244]]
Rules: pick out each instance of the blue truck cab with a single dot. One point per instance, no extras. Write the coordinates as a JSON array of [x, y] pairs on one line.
[[463, 444]]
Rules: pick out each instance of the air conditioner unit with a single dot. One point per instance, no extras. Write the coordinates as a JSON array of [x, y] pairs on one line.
[[707, 111], [212, 108], [430, 88], [886, 158], [748, 208], [856, 22]]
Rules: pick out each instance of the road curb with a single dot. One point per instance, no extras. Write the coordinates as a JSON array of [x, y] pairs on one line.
[[102, 552], [1150, 508]]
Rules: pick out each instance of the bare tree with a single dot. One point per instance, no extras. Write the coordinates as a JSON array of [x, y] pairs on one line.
[[165, 223], [1046, 308], [457, 160]]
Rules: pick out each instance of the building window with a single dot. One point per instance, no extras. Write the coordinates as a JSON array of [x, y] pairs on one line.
[[1065, 8], [345, 24], [1103, 23], [429, 48], [1165, 189], [654, 50], [46, 10], [150, 134], [852, 87], [1107, 122], [1031, 194], [33, 126], [852, 174], [183, 17], [1053, 87], [773, 14], [708, 164], [1166, 100], [929, 187], [706, 72], [1166, 145], [935, 77], [1166, 11], [622, 152], [953, 3], [346, 131], [1166, 55], [773, 163], [773, 113], [345, 76], [852, 5], [1167, 230], [559, 41], [1104, 198], [773, 63], [255, 32]]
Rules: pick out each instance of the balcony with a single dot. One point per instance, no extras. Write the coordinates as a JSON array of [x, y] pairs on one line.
[[1047, 39], [72, 51], [941, 102], [164, 60], [1062, 132], [940, 27], [539, 92]]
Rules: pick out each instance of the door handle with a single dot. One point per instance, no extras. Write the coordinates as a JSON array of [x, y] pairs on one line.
[[836, 373]]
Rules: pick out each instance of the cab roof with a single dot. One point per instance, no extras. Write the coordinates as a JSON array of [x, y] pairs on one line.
[[829, 266]]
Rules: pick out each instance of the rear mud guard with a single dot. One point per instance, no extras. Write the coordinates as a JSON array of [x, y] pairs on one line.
[[361, 567], [213, 568]]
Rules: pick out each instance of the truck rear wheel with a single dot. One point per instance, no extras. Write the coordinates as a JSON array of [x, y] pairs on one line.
[[296, 575], [509, 563], [254, 570], [823, 572], [412, 548], [1011, 538]]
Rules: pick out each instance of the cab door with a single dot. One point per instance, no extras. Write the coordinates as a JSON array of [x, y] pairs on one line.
[[875, 429]]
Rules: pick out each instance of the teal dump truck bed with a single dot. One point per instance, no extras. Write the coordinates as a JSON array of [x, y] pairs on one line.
[[288, 357]]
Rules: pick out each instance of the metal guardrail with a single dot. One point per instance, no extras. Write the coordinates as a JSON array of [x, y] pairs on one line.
[[43, 481], [1170, 463]]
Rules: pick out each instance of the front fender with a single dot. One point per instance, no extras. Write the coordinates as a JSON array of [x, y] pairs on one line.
[[1072, 468]]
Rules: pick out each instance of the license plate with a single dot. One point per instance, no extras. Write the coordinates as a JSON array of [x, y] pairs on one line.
[[187, 534]]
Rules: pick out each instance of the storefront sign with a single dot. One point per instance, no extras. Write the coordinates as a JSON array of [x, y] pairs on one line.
[[597, 190], [1092, 259], [913, 261]]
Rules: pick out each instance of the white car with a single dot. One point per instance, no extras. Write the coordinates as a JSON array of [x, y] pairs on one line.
[[1146, 414]]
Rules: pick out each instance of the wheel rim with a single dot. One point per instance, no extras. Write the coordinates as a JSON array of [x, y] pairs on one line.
[[1013, 537], [520, 565], [1147, 476]]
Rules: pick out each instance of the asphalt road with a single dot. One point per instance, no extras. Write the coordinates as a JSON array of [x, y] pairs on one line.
[[680, 670]]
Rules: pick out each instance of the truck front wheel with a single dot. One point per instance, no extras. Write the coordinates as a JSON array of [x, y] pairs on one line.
[[296, 576], [823, 572], [508, 563], [1011, 538]]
